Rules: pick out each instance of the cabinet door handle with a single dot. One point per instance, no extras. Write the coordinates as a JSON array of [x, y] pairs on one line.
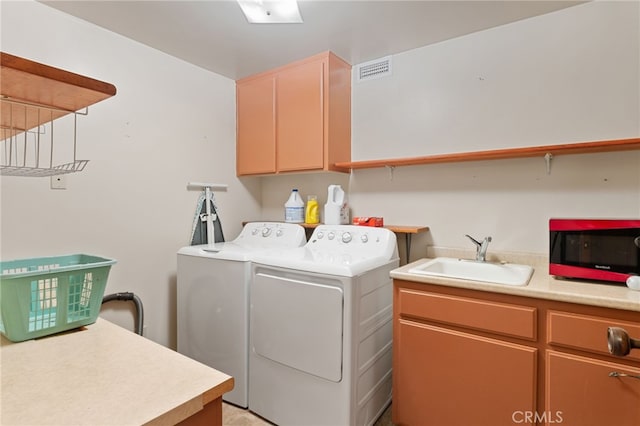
[[617, 374]]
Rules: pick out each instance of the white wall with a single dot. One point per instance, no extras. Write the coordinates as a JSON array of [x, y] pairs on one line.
[[569, 76], [170, 123]]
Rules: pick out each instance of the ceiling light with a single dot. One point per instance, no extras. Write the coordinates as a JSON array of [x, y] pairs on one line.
[[271, 11]]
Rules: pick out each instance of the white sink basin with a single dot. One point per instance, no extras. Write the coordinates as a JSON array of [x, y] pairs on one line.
[[461, 269]]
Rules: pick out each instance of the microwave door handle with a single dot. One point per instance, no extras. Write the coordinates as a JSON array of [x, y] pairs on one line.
[[556, 235]]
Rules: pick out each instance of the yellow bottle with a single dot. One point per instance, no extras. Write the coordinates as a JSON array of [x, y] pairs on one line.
[[312, 215]]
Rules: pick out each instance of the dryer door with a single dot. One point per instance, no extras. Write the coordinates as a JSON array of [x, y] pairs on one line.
[[298, 323]]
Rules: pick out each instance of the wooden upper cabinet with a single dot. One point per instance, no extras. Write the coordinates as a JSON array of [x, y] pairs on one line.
[[295, 118], [256, 131], [300, 115]]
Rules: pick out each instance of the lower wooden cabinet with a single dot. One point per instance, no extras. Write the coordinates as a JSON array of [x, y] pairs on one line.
[[210, 415], [454, 378], [468, 357], [582, 391]]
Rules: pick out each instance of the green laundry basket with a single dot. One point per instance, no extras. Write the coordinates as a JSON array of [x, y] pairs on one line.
[[47, 295]]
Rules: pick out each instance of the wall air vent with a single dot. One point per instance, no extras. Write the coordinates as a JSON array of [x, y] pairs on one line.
[[374, 69]]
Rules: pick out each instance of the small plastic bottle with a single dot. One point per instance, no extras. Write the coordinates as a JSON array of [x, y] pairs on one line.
[[294, 208], [312, 215]]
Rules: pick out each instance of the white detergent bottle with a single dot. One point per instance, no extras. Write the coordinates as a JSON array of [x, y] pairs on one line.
[[336, 210], [294, 208]]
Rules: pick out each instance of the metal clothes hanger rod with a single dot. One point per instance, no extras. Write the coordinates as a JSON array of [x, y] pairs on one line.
[[212, 186]]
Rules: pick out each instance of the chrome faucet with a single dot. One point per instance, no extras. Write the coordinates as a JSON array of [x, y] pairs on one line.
[[481, 247]]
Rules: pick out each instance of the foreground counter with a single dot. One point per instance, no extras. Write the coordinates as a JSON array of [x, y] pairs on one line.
[[103, 374]]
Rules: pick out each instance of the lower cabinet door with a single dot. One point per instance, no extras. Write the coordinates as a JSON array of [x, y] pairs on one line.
[[582, 391], [444, 377]]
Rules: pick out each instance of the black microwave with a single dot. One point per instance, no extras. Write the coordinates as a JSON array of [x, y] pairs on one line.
[[594, 249]]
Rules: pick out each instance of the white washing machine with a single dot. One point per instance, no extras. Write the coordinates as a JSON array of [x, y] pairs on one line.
[[212, 299], [321, 328]]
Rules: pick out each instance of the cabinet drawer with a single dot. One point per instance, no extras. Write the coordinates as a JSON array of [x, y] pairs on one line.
[[585, 332], [499, 318]]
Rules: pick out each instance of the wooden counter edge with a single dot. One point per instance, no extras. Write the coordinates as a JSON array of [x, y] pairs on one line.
[[205, 409], [217, 392], [407, 229], [54, 75]]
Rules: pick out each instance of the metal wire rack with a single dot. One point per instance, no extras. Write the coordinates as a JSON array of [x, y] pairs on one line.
[[28, 148]]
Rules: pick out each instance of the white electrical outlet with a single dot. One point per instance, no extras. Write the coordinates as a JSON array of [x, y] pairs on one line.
[[59, 182]]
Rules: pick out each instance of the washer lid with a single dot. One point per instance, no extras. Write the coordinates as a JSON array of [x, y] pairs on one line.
[[222, 251], [254, 237]]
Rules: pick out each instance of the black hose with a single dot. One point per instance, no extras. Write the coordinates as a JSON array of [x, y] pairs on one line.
[[136, 301]]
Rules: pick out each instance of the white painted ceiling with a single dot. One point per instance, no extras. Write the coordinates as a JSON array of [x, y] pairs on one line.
[[215, 35]]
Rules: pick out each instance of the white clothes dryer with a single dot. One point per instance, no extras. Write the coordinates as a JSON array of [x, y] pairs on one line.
[[212, 299], [321, 328]]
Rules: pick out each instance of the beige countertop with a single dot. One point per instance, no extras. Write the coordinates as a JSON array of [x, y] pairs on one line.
[[102, 374], [541, 286]]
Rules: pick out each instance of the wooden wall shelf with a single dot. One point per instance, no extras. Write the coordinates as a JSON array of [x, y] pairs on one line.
[[32, 83], [498, 154], [33, 94]]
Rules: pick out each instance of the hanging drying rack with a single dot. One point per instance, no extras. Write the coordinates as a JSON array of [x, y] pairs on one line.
[[30, 151], [32, 97]]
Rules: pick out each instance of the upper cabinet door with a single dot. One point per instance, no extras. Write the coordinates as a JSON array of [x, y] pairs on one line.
[[256, 131], [300, 117]]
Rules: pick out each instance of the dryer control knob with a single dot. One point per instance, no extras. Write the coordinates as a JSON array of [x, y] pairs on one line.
[[320, 235], [255, 231], [266, 231], [346, 237], [331, 235], [279, 233], [364, 238]]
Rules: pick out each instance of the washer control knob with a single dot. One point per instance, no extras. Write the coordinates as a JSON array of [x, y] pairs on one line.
[[254, 231], [364, 238], [266, 231], [331, 235], [346, 237], [279, 233], [320, 235]]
